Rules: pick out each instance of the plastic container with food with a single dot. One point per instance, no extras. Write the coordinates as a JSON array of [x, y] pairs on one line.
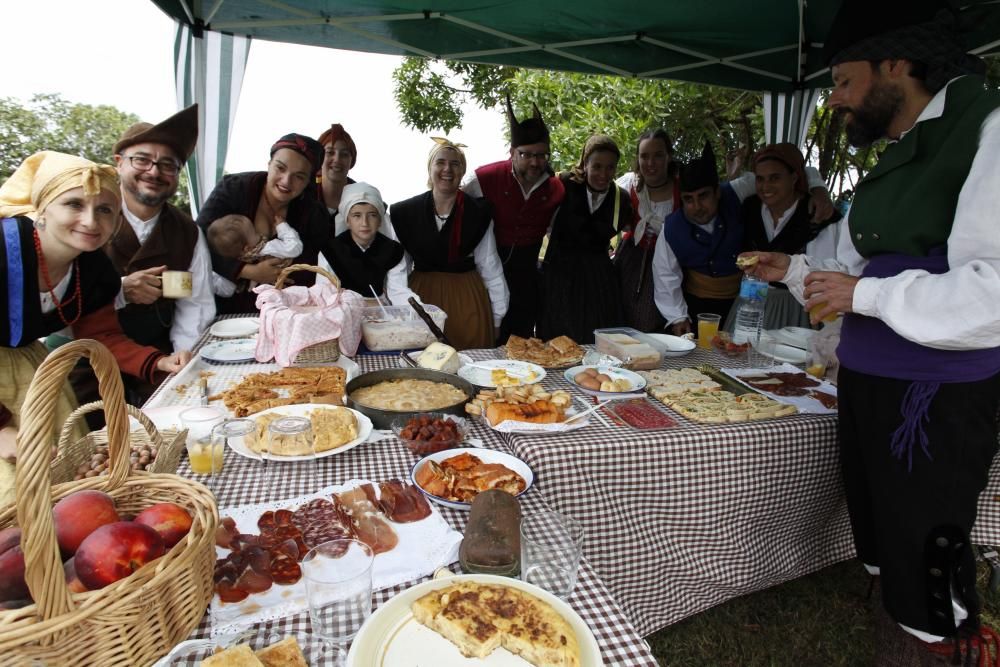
[[636, 350], [398, 327], [431, 432]]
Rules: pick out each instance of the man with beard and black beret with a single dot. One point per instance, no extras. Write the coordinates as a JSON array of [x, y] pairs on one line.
[[917, 274], [694, 264], [156, 236], [525, 195]]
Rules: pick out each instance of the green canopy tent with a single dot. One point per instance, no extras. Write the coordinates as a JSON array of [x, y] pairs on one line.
[[772, 46]]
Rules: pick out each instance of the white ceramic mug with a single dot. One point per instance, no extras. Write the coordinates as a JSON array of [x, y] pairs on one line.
[[176, 284]]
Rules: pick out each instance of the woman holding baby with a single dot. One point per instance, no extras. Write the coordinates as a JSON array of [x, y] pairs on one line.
[[265, 211]]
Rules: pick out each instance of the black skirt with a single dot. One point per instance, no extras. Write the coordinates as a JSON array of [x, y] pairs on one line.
[[580, 293]]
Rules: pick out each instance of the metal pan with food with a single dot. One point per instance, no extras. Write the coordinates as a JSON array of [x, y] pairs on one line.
[[393, 393]]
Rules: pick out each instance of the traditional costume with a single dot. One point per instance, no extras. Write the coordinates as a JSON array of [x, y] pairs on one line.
[[241, 193], [363, 269], [580, 284], [919, 380], [83, 300], [454, 262], [694, 266], [170, 238], [522, 214]]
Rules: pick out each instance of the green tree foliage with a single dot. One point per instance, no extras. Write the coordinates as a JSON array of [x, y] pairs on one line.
[[49, 122], [430, 95]]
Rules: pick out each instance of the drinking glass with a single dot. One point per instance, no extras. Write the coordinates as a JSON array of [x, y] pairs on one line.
[[243, 433], [763, 347], [294, 432], [338, 577], [551, 547], [708, 326], [203, 456]]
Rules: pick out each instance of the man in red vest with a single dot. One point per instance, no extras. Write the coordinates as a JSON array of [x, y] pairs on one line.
[[524, 195]]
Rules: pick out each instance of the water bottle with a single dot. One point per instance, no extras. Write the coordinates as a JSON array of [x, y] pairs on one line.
[[750, 310]]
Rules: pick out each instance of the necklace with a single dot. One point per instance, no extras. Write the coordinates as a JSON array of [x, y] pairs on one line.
[[52, 291]]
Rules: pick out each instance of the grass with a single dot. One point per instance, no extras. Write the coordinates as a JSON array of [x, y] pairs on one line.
[[822, 619]]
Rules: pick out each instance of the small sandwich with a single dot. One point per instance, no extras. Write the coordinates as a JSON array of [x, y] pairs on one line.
[[746, 261]]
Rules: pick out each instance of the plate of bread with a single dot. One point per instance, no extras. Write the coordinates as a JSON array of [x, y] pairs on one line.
[[335, 430], [454, 477], [560, 352], [452, 621], [249, 649], [525, 409]]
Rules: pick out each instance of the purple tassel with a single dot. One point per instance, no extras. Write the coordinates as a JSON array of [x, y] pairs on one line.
[[916, 405]]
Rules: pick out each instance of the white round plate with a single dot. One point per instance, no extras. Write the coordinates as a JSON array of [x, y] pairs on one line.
[[235, 328], [793, 336], [638, 382], [479, 374], [463, 359], [229, 352], [484, 455], [673, 346], [391, 636], [786, 353], [303, 410], [164, 418]]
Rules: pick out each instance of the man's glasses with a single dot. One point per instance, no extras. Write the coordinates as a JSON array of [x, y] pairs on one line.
[[525, 155], [143, 163]]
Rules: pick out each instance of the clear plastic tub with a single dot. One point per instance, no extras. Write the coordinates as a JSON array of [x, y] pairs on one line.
[[635, 349], [399, 327]]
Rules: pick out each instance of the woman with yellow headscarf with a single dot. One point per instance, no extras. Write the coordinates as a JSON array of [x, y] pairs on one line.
[[56, 213], [450, 249]]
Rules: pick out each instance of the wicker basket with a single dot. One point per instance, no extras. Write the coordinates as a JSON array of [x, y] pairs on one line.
[[169, 444], [320, 353], [133, 621]]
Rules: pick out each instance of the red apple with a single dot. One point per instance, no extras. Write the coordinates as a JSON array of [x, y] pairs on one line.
[[9, 537], [171, 521], [114, 551], [12, 586], [72, 581], [77, 515]]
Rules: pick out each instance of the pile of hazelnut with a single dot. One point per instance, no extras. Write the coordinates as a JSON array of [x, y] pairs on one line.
[[141, 458]]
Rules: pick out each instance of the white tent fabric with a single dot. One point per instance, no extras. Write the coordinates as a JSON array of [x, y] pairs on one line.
[[787, 115], [208, 69]]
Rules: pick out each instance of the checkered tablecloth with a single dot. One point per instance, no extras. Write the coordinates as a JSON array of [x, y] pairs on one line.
[[619, 641]]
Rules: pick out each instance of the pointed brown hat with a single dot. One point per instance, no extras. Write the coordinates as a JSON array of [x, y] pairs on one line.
[[530, 130], [180, 132]]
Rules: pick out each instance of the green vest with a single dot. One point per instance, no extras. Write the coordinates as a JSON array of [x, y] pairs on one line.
[[906, 204]]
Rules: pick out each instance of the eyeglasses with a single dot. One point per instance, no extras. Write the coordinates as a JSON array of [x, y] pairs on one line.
[[143, 163], [525, 155]]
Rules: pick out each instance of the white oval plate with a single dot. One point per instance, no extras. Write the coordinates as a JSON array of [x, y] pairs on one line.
[[479, 374], [793, 336], [229, 352], [303, 410], [638, 382], [484, 455], [235, 328], [786, 353], [674, 346], [391, 636], [463, 359]]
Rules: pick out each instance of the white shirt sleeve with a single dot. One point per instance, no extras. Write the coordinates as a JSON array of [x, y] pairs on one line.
[[194, 314], [221, 286], [120, 297], [397, 282], [955, 310], [667, 279], [288, 245], [471, 186], [491, 271]]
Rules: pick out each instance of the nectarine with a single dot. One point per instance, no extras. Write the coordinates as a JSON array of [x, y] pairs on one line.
[[115, 551], [80, 513], [9, 537], [171, 521], [12, 585], [72, 580]]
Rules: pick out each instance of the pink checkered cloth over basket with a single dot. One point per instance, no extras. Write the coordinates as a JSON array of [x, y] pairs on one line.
[[294, 318]]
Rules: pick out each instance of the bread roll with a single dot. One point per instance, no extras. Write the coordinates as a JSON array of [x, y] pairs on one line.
[[539, 412]]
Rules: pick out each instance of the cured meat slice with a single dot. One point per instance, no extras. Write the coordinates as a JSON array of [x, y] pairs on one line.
[[241, 542], [321, 520], [283, 517], [230, 593], [829, 401], [368, 523], [252, 581], [258, 559], [285, 570], [401, 502], [266, 522], [225, 532]]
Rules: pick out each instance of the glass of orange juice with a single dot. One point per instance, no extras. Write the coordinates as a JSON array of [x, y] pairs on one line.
[[708, 326], [204, 456], [815, 310]]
